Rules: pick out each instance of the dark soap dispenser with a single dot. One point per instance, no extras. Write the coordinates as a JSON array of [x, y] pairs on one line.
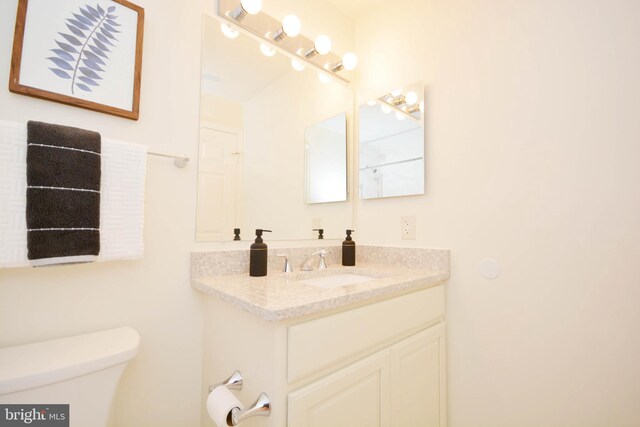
[[349, 250], [258, 256]]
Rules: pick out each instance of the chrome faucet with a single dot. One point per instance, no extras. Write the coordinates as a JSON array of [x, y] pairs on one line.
[[322, 265], [286, 268]]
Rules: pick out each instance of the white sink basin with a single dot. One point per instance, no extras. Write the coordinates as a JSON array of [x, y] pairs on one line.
[[337, 280]]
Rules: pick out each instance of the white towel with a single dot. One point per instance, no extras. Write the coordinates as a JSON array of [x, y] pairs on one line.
[[124, 167], [121, 198], [13, 194]]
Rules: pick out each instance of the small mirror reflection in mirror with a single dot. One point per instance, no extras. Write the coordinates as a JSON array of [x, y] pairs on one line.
[[325, 147], [392, 144]]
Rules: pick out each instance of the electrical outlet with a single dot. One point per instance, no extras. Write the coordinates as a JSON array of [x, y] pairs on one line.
[[408, 227]]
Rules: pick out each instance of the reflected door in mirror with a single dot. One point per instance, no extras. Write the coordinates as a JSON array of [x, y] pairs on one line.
[[218, 184]]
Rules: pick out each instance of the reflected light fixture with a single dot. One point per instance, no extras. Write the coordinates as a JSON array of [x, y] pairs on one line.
[[400, 116], [349, 62], [421, 106], [297, 65], [411, 98], [266, 50], [324, 79], [290, 28], [321, 46], [251, 7], [228, 31], [385, 109]]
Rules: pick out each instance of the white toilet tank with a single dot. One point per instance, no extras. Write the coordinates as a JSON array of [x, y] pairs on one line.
[[82, 371]]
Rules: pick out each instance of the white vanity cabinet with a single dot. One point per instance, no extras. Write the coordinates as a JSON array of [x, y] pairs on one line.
[[379, 363]]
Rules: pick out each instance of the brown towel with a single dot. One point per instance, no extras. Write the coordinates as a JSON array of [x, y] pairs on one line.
[[63, 193]]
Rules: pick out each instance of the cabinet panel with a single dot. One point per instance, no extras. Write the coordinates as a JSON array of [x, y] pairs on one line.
[[354, 396], [320, 343], [418, 386]]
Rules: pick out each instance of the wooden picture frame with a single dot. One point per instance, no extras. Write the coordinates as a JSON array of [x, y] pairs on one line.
[[84, 53]]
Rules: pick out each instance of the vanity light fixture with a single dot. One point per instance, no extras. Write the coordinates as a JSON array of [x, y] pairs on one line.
[[419, 108], [323, 78], [405, 106], [284, 37], [291, 27], [266, 50], [411, 98], [251, 7], [397, 99], [322, 46], [297, 65], [349, 62], [228, 31]]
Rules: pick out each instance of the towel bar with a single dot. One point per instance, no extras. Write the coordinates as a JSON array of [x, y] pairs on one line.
[[179, 160]]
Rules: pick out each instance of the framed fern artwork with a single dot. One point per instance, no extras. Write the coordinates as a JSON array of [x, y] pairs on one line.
[[85, 53]]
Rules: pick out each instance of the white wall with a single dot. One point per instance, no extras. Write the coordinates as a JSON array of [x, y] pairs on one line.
[[532, 146], [162, 386]]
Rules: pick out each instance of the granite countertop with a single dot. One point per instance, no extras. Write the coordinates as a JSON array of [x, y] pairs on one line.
[[280, 296]]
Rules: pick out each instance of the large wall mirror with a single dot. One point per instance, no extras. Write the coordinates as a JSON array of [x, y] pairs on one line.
[[392, 144], [255, 110]]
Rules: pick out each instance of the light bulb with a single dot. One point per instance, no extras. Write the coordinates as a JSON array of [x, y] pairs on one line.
[[385, 109], [396, 92], [349, 61], [266, 50], [291, 25], [252, 7], [411, 98], [323, 78], [400, 116], [421, 106], [228, 31], [372, 103], [297, 65], [323, 44]]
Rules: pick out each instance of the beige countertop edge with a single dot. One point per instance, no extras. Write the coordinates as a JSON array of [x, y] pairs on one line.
[[403, 285]]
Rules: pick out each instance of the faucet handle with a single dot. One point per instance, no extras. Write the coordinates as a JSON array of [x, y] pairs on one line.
[[322, 265], [287, 266]]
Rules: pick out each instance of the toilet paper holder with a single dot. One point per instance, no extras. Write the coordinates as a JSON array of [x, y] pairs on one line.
[[261, 407], [234, 382]]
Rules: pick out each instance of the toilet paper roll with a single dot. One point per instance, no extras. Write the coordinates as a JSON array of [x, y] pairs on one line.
[[220, 403]]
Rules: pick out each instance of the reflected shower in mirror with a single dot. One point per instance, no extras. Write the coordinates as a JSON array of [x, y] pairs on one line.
[[392, 144], [325, 146], [254, 110]]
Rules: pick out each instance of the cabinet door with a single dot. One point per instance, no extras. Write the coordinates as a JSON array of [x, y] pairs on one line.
[[418, 387], [354, 396]]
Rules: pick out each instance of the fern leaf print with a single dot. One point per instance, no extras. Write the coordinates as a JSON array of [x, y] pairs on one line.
[[82, 53]]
